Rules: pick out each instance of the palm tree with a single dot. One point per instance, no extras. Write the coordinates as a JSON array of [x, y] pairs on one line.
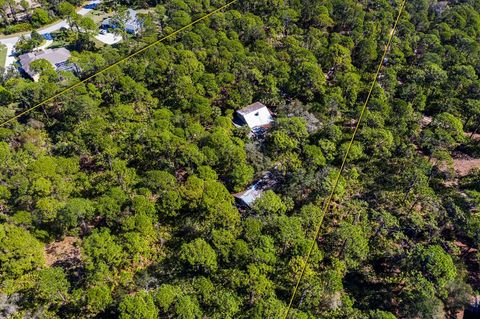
[[119, 20]]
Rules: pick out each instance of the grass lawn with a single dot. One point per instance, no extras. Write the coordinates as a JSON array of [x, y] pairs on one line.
[[3, 55], [98, 16]]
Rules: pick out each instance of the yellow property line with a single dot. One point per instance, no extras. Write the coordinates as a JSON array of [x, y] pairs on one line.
[[71, 87], [342, 167]]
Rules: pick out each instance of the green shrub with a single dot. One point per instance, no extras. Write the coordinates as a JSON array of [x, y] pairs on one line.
[[25, 26]]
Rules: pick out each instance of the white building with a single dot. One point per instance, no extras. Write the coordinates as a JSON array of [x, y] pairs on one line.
[[254, 192], [248, 196], [255, 116]]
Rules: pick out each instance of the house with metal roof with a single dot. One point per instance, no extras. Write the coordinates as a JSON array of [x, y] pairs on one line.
[[255, 191], [255, 116], [58, 58], [248, 196], [133, 24]]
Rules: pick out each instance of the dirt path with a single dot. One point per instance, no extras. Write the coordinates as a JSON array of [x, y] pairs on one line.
[[64, 253], [464, 164], [425, 121], [475, 137]]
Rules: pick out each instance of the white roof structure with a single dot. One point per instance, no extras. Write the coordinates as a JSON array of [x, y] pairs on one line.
[[255, 115], [57, 58], [251, 194]]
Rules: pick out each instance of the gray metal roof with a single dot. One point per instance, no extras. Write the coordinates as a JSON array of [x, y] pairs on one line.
[[252, 193], [54, 56], [249, 195]]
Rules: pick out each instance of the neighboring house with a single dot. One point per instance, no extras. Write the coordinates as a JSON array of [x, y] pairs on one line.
[[248, 197], [58, 58], [17, 11], [133, 25], [255, 116]]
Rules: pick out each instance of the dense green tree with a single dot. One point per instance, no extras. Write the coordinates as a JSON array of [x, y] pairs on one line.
[[100, 247], [40, 17], [51, 286], [199, 255], [98, 298], [187, 307], [269, 203], [138, 306], [21, 252], [127, 179]]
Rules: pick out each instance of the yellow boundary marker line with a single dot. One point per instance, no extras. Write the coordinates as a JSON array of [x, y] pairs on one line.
[[71, 87], [342, 167]]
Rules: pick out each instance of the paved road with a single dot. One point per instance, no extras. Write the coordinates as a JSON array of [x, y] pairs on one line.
[[10, 42]]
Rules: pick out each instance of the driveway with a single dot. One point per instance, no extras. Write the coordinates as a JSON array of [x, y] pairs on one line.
[[10, 42], [45, 45], [108, 38], [88, 7]]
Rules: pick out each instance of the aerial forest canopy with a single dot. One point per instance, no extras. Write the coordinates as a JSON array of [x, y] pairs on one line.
[[116, 198]]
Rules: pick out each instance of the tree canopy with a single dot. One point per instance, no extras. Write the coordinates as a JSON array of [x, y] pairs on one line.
[[116, 199]]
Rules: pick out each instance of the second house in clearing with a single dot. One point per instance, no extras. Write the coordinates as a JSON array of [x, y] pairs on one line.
[[58, 58], [248, 197]]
